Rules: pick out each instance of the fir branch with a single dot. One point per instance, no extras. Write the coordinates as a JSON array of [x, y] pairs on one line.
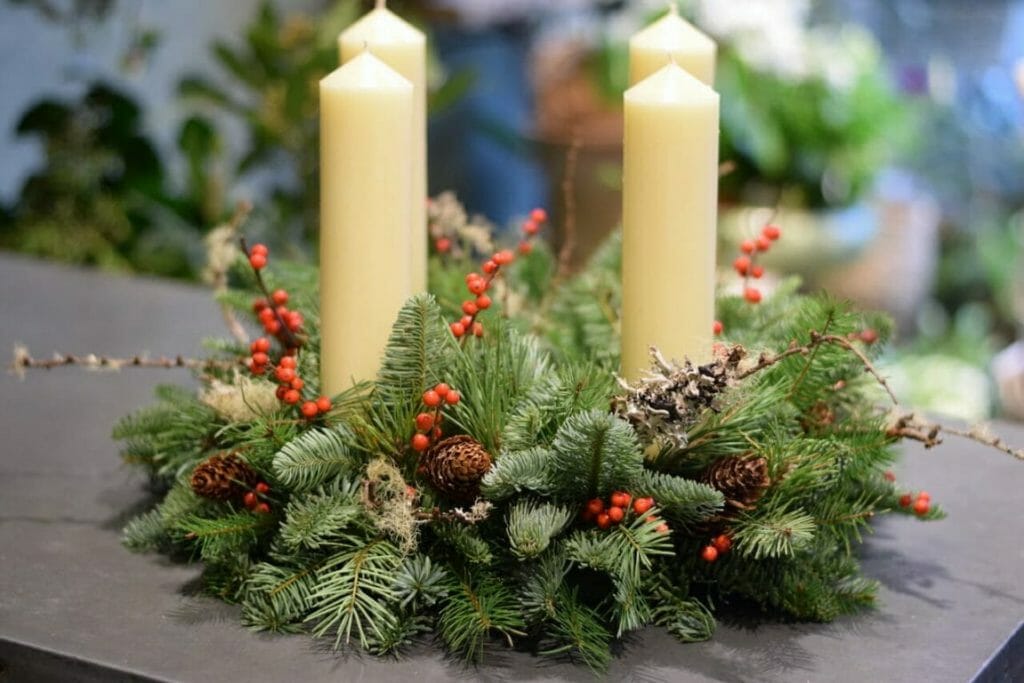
[[354, 593], [225, 536], [420, 583], [778, 533], [275, 597], [476, 608], [315, 457], [532, 526], [688, 620], [684, 500], [595, 453], [514, 473], [466, 541], [576, 630], [317, 520]]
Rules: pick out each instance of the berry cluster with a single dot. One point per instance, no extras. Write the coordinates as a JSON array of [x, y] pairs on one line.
[[620, 506], [720, 545], [746, 263], [428, 422], [532, 226], [272, 309], [921, 503], [252, 498], [285, 373]]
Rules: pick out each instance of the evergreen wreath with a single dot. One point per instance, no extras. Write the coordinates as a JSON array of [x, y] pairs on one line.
[[498, 482]]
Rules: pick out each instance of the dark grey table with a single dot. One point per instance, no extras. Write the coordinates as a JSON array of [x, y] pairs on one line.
[[76, 606]]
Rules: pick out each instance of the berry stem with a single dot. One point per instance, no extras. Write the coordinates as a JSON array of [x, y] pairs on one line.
[[290, 338]]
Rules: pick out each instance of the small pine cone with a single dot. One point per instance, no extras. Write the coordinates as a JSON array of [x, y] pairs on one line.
[[455, 467], [223, 477], [741, 479]]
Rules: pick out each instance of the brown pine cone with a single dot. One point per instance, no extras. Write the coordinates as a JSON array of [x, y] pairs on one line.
[[741, 479], [223, 477], [455, 467]]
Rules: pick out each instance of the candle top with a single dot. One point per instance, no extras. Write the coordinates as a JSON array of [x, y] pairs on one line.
[[382, 26], [672, 32], [365, 72], [672, 84]]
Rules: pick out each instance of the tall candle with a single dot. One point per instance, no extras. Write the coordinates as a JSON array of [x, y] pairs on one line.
[[404, 48], [671, 38], [365, 203], [670, 197]]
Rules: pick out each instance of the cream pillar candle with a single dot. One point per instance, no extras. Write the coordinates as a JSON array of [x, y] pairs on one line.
[[670, 198], [671, 37], [365, 206], [404, 48]]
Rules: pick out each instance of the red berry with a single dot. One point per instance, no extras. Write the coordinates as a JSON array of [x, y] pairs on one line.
[[539, 216], [294, 320], [442, 389], [717, 327], [722, 543], [709, 553], [263, 509], [280, 297], [297, 383], [504, 257], [261, 345], [473, 276], [531, 227], [763, 243], [905, 500], [748, 246], [281, 391], [772, 232], [424, 422], [477, 286], [490, 267], [431, 398], [890, 475], [603, 520], [309, 409], [595, 506], [420, 442], [868, 336], [483, 302], [620, 499], [615, 514], [443, 244], [262, 488], [260, 358], [258, 261], [250, 500], [410, 491], [285, 375], [437, 433], [752, 294], [741, 265], [466, 320], [924, 495], [272, 327], [478, 330], [323, 404], [525, 247], [291, 396], [258, 369], [287, 362], [458, 329], [266, 315], [642, 505], [452, 397], [259, 248], [922, 506], [757, 272], [662, 528], [470, 308]]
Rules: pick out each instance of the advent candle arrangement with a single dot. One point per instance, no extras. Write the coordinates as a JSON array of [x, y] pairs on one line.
[[403, 47], [366, 113], [670, 197]]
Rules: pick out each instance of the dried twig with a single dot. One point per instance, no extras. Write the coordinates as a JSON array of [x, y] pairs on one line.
[[23, 361], [479, 511]]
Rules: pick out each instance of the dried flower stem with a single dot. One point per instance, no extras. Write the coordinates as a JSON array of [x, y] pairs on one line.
[[218, 276]]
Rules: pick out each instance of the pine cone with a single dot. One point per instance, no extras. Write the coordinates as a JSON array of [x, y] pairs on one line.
[[741, 479], [223, 477], [455, 467]]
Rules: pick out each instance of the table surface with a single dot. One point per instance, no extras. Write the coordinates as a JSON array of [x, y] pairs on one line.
[[72, 599]]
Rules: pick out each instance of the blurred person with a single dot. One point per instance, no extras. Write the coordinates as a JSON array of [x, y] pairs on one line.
[[481, 146]]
